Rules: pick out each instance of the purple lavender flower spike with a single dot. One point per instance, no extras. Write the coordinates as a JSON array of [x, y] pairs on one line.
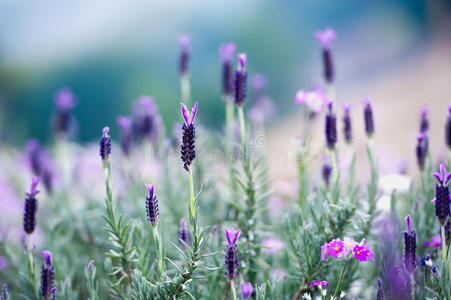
[[421, 149], [185, 42], [347, 125], [4, 295], [47, 277], [105, 144], [331, 127], [326, 38], [424, 123], [231, 254], [188, 138], [410, 245], [35, 154], [227, 50], [184, 234], [442, 198], [380, 291], [326, 171], [31, 207], [125, 126], [64, 102], [368, 116], [151, 205], [240, 80], [448, 128], [246, 289]]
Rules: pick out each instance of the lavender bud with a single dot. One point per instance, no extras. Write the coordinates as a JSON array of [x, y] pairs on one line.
[[326, 38], [226, 51], [231, 254], [442, 205], [184, 234], [434, 269], [331, 128], [240, 80], [125, 126], [424, 262], [4, 295], [448, 128], [410, 246], [421, 150], [151, 205], [105, 145], [31, 206], [424, 123], [368, 117], [347, 127], [47, 277], [188, 137], [380, 291], [326, 172], [185, 42]]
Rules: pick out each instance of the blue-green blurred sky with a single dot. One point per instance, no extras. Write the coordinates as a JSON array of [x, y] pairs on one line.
[[111, 52]]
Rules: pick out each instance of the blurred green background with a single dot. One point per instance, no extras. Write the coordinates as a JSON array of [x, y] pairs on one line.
[[111, 52]]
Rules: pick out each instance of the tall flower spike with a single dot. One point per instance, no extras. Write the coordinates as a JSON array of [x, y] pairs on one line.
[[246, 289], [448, 128], [105, 144], [347, 125], [240, 80], [424, 122], [326, 38], [35, 156], [421, 149], [184, 42], [331, 127], [64, 102], [442, 205], [380, 291], [184, 233], [231, 254], [31, 206], [47, 277], [188, 137], [410, 245], [151, 205], [125, 126], [4, 295], [326, 171], [226, 51], [368, 116]]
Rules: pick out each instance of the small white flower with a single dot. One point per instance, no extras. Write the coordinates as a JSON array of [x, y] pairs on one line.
[[342, 294], [306, 296]]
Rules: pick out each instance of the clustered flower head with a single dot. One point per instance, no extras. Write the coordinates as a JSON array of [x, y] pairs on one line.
[[368, 116], [151, 205], [421, 149], [4, 295], [331, 127], [320, 284], [241, 80], [442, 200], [344, 249], [47, 277], [326, 38], [185, 43], [246, 289], [105, 144], [226, 51], [314, 99], [31, 207], [231, 254], [187, 147], [410, 245]]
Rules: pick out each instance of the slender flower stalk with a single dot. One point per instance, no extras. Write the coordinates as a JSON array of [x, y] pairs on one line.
[[47, 277], [185, 43]]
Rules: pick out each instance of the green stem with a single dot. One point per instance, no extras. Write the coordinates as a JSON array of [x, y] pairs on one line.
[[31, 264], [331, 91], [444, 247], [242, 127], [159, 248], [412, 285], [333, 161], [339, 281], [191, 192], [232, 285], [185, 88]]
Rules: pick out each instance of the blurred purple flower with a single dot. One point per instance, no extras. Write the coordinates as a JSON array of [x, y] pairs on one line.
[[424, 122], [64, 101], [380, 291], [435, 242], [318, 283], [421, 149], [347, 125], [105, 145], [241, 80], [326, 37], [184, 234], [278, 275], [146, 120], [368, 116], [410, 245], [226, 51], [448, 127], [125, 127], [272, 245], [246, 289], [31, 206], [314, 99], [4, 265], [185, 43], [151, 205], [331, 127]]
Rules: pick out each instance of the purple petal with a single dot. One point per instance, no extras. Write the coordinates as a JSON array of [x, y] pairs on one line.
[[47, 257], [437, 175], [193, 113], [409, 224], [150, 189], [433, 200], [236, 234], [33, 188], [227, 232], [424, 111], [448, 177], [366, 101], [182, 223], [105, 131], [65, 99], [242, 59], [300, 97], [226, 50], [326, 37], [185, 114], [184, 41], [124, 123]]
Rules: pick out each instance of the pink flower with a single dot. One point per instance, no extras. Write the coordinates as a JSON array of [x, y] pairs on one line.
[[348, 244], [435, 242], [314, 99], [324, 251], [335, 248], [272, 245], [318, 283], [362, 252]]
